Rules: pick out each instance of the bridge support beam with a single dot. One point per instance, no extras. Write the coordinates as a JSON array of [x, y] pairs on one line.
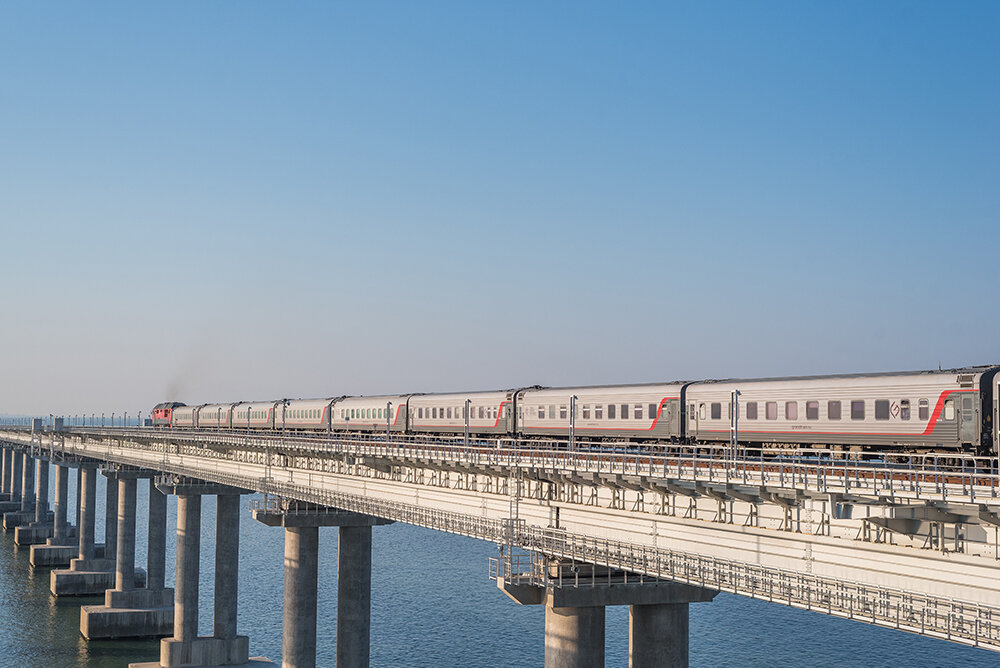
[[301, 523], [129, 611], [225, 647], [574, 616]]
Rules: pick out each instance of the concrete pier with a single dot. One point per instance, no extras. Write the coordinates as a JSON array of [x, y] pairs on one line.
[[298, 639], [129, 612], [301, 523], [574, 616], [574, 637], [354, 596], [15, 476], [61, 548], [110, 513], [60, 528], [227, 548], [20, 511], [658, 635], [27, 483], [156, 539], [5, 474], [185, 649], [88, 575], [40, 528]]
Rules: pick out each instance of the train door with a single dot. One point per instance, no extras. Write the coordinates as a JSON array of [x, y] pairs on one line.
[[968, 423], [996, 415]]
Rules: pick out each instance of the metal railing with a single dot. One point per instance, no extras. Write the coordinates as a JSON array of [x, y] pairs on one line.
[[950, 619], [957, 478]]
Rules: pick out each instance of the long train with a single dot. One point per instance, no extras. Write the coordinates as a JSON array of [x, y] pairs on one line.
[[919, 411]]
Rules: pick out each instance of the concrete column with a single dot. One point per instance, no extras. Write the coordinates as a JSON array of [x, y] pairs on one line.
[[156, 541], [27, 483], [110, 513], [87, 500], [125, 559], [227, 550], [42, 492], [574, 637], [354, 595], [60, 529], [15, 476], [186, 583], [658, 636], [79, 496], [5, 474], [298, 640]]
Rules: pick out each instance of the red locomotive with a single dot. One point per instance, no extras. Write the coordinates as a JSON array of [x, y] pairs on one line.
[[164, 413]]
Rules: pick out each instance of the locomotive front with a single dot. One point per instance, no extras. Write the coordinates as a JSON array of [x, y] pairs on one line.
[[164, 412]]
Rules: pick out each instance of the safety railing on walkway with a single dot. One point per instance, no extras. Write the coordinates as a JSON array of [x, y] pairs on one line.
[[956, 478]]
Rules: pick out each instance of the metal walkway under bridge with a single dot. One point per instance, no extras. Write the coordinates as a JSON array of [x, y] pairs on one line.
[[911, 545]]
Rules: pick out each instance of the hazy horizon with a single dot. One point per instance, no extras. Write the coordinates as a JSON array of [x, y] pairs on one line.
[[222, 202]]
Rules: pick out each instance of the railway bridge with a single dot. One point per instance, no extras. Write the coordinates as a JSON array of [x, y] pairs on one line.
[[908, 544]]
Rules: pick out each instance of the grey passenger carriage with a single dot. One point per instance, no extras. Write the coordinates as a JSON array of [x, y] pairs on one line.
[[920, 411]]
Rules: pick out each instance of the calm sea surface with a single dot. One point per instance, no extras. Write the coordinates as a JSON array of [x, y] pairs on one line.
[[433, 605]]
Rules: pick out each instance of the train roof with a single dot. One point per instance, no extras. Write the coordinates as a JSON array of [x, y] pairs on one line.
[[168, 404], [837, 376]]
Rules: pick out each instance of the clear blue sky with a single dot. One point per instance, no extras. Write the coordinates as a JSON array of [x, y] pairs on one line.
[[235, 200]]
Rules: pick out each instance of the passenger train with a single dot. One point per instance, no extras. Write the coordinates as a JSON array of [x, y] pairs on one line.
[[921, 411]]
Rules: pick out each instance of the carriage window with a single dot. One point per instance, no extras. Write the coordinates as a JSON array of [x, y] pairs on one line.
[[812, 410], [949, 409], [701, 412], [541, 412], [833, 410], [857, 410], [904, 409], [552, 412], [624, 411], [922, 409], [482, 412], [449, 412], [637, 414], [611, 411], [752, 410], [771, 410], [716, 411], [791, 410], [434, 412], [881, 409], [652, 410], [586, 412], [562, 412], [599, 412]]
